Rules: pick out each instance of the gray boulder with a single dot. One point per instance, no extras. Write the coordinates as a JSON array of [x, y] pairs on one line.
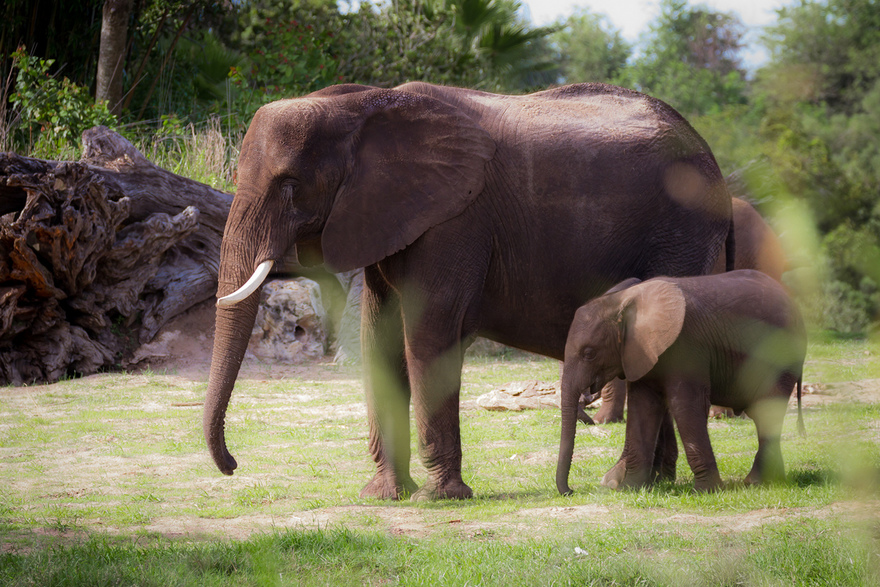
[[291, 323]]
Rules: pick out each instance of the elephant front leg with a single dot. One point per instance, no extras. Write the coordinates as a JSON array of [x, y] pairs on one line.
[[387, 391], [645, 413], [436, 385]]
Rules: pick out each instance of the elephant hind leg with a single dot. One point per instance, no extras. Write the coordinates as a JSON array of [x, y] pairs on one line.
[[768, 416], [689, 404], [666, 453]]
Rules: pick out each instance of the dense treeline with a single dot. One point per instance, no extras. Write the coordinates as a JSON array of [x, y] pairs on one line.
[[800, 133]]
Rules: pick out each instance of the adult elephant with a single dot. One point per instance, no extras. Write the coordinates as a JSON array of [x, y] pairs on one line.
[[473, 214], [757, 247]]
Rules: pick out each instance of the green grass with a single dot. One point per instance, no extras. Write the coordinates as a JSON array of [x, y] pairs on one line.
[[105, 480], [832, 358]]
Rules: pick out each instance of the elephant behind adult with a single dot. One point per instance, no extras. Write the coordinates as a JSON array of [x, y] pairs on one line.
[[473, 214], [757, 247]]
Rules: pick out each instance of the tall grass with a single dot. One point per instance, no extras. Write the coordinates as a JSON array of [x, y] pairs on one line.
[[205, 152]]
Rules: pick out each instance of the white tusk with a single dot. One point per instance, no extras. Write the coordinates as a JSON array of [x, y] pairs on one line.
[[248, 288]]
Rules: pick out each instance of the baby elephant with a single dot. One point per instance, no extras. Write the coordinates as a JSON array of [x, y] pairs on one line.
[[734, 339]]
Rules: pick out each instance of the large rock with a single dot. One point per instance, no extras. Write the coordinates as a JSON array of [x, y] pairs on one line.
[[290, 325], [348, 335], [521, 395]]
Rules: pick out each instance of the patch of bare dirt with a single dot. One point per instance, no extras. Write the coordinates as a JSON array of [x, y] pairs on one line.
[[420, 523]]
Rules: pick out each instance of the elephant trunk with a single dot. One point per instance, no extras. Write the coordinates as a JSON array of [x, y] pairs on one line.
[[232, 333], [238, 295], [570, 394], [252, 241]]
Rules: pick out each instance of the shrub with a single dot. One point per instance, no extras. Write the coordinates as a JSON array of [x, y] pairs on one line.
[[52, 114], [846, 309]]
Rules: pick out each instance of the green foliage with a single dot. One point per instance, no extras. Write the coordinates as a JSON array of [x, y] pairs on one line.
[[822, 104], [839, 69], [590, 48], [290, 47], [852, 300], [690, 60], [393, 43], [296, 48], [518, 55], [52, 113]]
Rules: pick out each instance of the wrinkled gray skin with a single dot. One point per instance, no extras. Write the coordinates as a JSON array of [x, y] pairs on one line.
[[757, 247], [734, 339], [472, 214]]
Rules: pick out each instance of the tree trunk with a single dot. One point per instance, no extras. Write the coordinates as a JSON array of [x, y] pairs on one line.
[[111, 58], [97, 255]]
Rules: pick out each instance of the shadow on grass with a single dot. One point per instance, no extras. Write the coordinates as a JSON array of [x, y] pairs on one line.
[[813, 477], [520, 497], [315, 554]]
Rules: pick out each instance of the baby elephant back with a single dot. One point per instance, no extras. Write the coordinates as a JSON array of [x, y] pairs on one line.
[[757, 333]]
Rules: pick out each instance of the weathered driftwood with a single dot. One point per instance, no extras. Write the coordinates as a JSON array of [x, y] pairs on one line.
[[96, 255]]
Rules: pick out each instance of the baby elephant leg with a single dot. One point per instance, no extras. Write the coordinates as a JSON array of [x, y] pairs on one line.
[[689, 404], [645, 413], [768, 415], [665, 458], [666, 452]]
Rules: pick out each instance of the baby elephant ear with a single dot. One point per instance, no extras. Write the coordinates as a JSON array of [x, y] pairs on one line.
[[416, 162], [625, 284], [653, 315]]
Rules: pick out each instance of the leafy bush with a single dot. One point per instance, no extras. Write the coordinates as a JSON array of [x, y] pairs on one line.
[[51, 114], [293, 58], [846, 309]]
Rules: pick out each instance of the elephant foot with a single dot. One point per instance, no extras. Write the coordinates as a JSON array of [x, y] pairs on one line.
[[709, 484], [604, 416], [613, 479], [384, 486], [637, 479], [456, 489], [768, 466], [619, 478], [756, 478]]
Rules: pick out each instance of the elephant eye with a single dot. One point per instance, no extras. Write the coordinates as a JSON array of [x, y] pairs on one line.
[[588, 353], [289, 188]]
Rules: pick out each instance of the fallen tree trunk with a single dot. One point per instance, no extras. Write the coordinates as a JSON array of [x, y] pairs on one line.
[[96, 255]]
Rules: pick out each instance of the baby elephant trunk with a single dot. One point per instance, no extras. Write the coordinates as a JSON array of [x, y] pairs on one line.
[[571, 391]]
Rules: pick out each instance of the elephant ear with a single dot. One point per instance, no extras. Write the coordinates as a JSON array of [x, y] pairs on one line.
[[623, 285], [417, 162], [652, 315]]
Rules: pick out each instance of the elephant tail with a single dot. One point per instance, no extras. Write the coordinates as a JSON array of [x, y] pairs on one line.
[[730, 248], [801, 430]]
